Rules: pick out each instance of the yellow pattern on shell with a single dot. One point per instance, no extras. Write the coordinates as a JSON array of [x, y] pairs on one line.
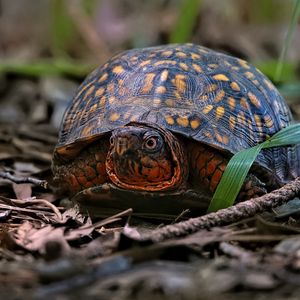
[[182, 121], [103, 77], [219, 96], [118, 69], [235, 86], [207, 108], [195, 124], [169, 120], [221, 77], [197, 68], [254, 100], [220, 112], [231, 103]]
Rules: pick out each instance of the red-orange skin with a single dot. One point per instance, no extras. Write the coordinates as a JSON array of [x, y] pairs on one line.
[[206, 167], [87, 170]]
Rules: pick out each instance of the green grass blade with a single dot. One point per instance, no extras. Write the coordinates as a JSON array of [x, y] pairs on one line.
[[240, 164], [291, 29], [233, 178], [184, 27], [286, 136], [50, 67]]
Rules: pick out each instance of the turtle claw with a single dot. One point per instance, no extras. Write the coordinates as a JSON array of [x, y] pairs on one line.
[[252, 188]]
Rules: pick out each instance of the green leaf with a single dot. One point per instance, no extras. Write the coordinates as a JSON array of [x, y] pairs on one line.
[[287, 41], [240, 164], [49, 67], [184, 27]]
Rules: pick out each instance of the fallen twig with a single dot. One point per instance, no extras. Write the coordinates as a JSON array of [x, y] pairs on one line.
[[17, 179], [228, 215], [33, 202]]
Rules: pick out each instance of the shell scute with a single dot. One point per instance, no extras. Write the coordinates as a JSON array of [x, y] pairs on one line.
[[205, 95]]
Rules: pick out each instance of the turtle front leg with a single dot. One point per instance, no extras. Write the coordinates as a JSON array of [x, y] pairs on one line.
[[207, 166], [86, 171]]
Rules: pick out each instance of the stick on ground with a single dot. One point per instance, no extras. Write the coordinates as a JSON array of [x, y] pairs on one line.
[[228, 215], [17, 179]]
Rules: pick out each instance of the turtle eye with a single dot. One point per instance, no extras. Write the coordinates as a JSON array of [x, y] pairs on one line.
[[152, 143]]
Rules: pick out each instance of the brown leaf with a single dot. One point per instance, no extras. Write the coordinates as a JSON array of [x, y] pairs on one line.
[[32, 237], [22, 191]]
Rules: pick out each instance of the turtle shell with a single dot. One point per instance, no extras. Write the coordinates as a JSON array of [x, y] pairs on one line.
[[213, 98]]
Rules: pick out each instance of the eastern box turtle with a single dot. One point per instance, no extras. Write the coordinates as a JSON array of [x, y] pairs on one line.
[[154, 128]]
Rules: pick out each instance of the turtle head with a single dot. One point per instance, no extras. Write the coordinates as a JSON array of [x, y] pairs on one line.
[[143, 157]]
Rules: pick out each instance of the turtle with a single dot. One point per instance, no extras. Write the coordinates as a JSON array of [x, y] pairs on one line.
[[154, 128]]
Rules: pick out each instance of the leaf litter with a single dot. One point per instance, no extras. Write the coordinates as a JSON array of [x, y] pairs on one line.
[[50, 248]]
